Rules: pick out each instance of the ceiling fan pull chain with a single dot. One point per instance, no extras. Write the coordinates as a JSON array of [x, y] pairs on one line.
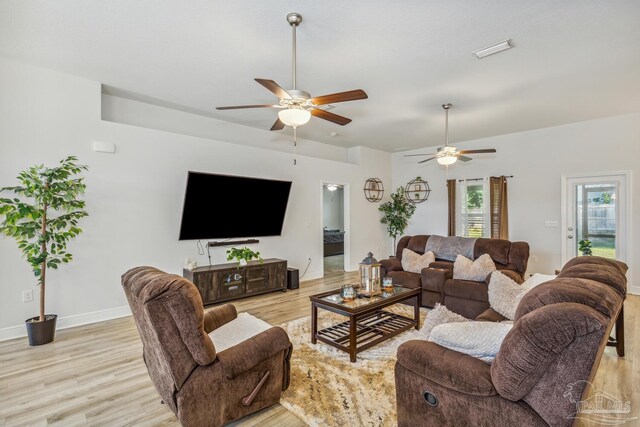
[[295, 145]]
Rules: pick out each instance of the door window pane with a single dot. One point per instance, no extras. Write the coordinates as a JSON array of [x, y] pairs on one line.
[[596, 218]]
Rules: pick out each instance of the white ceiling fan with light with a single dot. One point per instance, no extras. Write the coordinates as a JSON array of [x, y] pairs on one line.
[[297, 106], [448, 155]]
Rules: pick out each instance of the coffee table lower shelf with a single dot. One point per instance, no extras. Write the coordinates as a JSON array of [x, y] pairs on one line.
[[370, 329]]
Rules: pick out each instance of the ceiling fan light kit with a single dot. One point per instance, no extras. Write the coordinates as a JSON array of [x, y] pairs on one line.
[[297, 106], [294, 117], [446, 160]]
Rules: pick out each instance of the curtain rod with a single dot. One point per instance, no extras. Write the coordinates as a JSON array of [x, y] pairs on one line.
[[480, 179]]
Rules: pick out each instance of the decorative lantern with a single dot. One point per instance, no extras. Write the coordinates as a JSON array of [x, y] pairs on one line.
[[417, 190], [370, 276], [373, 190]]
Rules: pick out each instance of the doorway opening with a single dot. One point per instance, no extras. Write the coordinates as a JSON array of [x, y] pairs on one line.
[[333, 228], [595, 220]]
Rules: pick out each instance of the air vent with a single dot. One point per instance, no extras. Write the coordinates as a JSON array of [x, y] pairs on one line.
[[493, 49]]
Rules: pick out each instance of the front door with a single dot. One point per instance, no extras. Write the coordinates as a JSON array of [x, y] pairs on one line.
[[595, 220]]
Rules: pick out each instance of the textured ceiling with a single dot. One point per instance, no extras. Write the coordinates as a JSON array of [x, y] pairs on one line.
[[573, 60]]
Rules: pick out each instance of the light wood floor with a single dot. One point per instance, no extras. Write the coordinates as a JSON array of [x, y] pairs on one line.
[[333, 264], [94, 374]]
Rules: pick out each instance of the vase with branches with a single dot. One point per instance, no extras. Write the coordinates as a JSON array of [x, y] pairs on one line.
[[396, 214], [42, 217]]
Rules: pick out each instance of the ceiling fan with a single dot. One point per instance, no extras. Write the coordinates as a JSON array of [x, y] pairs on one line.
[[297, 106], [448, 155]]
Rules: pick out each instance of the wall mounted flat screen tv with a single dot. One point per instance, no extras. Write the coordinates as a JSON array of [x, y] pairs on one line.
[[224, 206]]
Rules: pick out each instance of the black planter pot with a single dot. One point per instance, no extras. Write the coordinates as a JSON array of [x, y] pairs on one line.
[[41, 332]]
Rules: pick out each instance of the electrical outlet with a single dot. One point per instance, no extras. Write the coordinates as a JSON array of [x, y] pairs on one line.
[[534, 258], [27, 296]]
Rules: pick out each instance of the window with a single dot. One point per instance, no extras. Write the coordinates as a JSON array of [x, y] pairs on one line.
[[472, 216]]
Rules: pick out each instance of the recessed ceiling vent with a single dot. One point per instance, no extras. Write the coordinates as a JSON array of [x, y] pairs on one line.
[[493, 49]]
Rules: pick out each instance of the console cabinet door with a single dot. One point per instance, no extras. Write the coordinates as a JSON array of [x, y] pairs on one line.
[[231, 283], [257, 277], [205, 284], [277, 276]]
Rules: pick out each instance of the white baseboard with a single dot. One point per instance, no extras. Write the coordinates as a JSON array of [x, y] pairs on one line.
[[20, 331], [635, 290]]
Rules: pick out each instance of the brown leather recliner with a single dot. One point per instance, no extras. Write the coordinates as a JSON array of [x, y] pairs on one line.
[[202, 387], [465, 297], [544, 365]]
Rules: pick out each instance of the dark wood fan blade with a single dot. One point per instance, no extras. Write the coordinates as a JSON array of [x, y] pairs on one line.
[[422, 161], [485, 150], [275, 88], [340, 120], [278, 125], [352, 95], [239, 107], [464, 158], [414, 155]]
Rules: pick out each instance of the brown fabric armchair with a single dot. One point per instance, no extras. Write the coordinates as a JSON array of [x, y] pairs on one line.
[[202, 387], [560, 331], [465, 297]]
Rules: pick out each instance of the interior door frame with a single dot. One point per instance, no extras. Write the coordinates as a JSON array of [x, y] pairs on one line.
[[623, 212], [346, 213]]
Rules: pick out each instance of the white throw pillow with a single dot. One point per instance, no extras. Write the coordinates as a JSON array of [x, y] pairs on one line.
[[478, 270], [502, 294], [439, 315], [505, 294], [414, 262], [478, 339], [239, 329]]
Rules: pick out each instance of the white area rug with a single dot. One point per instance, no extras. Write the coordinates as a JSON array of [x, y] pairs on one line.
[[328, 390]]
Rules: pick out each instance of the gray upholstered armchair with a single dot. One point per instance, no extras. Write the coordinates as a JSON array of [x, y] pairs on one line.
[[201, 386]]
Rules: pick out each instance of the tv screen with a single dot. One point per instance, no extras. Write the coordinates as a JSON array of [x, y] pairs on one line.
[[224, 206]]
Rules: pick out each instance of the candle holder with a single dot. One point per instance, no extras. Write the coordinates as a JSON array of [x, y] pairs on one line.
[[370, 276]]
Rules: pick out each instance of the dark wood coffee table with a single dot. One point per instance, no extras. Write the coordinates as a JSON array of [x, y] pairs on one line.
[[368, 323]]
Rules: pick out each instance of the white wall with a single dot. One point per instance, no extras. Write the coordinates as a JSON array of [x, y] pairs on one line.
[[134, 197], [333, 209], [537, 159]]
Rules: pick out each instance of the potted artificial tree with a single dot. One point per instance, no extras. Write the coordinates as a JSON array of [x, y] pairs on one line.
[[42, 217], [396, 214]]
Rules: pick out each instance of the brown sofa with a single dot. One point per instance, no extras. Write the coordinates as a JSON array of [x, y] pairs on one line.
[[465, 297], [560, 331], [202, 387]]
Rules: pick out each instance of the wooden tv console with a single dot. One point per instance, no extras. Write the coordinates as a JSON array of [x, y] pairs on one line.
[[226, 282]]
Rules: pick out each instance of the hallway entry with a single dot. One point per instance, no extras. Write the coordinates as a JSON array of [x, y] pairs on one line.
[[333, 230]]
